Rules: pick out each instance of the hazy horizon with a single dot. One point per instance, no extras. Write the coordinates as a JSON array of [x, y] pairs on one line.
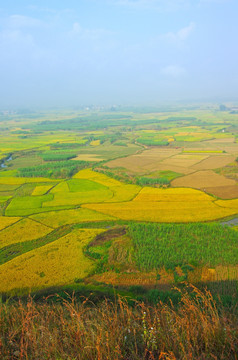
[[117, 52]]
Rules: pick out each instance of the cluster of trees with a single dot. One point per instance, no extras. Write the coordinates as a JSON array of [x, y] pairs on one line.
[[57, 156], [65, 146], [143, 181], [56, 169]]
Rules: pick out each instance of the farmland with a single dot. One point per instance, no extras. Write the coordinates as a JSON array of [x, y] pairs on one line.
[[107, 197]]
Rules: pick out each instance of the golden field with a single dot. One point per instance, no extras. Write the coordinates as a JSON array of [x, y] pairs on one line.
[[23, 230], [65, 217], [57, 263]]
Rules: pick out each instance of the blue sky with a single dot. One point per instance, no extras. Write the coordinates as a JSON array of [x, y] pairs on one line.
[[63, 53]]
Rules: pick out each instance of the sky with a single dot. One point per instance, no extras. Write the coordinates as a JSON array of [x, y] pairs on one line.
[[117, 52]]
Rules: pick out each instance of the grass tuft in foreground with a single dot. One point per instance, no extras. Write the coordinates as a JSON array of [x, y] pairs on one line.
[[114, 330]]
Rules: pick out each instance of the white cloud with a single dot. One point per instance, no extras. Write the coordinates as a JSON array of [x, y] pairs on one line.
[[173, 71], [181, 35], [88, 34], [20, 21]]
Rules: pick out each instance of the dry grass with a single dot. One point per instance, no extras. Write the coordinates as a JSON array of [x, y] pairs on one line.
[[113, 330]]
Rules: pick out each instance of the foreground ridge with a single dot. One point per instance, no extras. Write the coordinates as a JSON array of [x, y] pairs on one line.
[[69, 329]]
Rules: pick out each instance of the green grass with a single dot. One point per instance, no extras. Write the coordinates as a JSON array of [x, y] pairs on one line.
[[81, 185], [4, 198], [8, 187], [26, 204]]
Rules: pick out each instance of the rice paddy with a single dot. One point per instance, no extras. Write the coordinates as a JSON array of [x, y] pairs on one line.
[[57, 263], [153, 168], [23, 230]]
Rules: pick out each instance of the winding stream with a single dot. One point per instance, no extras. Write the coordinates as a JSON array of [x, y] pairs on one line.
[[3, 165]]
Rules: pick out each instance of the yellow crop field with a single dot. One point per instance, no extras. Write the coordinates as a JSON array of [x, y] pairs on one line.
[[61, 187], [57, 263], [23, 180], [41, 190], [23, 230], [6, 221], [172, 195], [73, 216], [232, 204], [95, 142], [168, 211], [97, 177], [123, 193]]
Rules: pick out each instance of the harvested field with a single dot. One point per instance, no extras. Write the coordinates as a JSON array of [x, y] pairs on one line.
[[184, 160], [223, 141], [175, 168], [141, 163], [224, 192], [214, 162], [202, 180]]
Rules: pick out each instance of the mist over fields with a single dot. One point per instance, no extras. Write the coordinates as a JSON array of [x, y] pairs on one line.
[[117, 52]]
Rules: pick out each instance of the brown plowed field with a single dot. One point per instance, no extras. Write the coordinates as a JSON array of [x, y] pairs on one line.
[[205, 179], [223, 141], [214, 162], [224, 192], [184, 160], [141, 163]]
